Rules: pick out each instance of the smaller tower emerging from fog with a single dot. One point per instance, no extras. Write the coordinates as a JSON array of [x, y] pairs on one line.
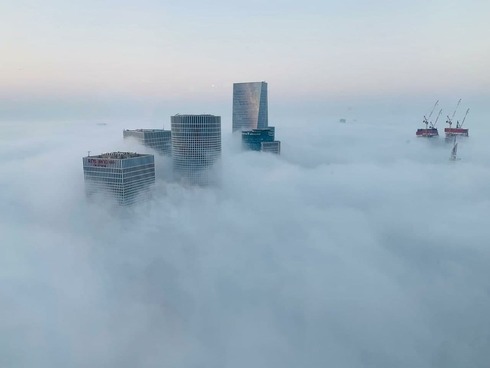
[[261, 140], [250, 109], [158, 139], [126, 176]]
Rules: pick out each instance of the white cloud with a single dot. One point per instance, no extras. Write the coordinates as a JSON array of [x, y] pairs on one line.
[[360, 246]]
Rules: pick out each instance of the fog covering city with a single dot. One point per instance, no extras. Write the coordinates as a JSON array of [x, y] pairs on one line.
[[359, 246]]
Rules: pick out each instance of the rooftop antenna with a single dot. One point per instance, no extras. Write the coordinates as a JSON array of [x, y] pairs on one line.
[[450, 119], [426, 120], [458, 125]]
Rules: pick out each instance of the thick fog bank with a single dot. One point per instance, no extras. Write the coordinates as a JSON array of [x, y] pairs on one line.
[[359, 246]]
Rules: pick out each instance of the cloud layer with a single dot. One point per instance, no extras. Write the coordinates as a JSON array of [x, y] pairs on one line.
[[361, 246]]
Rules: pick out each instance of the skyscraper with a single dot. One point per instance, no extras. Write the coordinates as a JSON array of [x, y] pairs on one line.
[[250, 106], [196, 147], [273, 147], [124, 175], [261, 140], [252, 139], [158, 139]]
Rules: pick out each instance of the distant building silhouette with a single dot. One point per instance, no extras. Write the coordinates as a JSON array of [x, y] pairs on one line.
[[126, 176], [158, 139], [250, 110], [196, 147]]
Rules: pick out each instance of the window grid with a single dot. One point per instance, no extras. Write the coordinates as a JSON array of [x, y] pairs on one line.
[[126, 180], [196, 147]]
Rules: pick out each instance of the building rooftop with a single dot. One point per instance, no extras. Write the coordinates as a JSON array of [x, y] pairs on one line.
[[146, 130], [196, 115], [119, 155], [258, 131], [249, 82]]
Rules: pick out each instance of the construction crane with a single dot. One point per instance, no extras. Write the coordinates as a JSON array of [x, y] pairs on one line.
[[426, 120], [454, 151], [450, 119], [433, 126], [458, 125]]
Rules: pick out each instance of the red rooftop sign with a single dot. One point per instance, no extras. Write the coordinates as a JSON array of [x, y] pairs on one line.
[[101, 162]]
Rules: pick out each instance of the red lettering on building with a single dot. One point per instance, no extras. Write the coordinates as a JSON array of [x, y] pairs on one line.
[[101, 162]]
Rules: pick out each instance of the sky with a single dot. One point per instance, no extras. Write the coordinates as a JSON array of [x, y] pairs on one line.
[[351, 249], [108, 56]]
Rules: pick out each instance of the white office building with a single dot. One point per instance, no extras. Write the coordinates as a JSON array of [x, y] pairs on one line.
[[196, 148], [125, 176]]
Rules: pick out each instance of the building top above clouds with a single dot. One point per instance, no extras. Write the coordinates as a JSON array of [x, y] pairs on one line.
[[250, 110]]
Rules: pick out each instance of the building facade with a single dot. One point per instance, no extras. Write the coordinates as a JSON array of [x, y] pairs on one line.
[[272, 147], [158, 139], [196, 148], [261, 140], [250, 109], [252, 139], [126, 176]]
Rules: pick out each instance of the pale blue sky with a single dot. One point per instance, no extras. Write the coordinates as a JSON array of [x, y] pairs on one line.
[[195, 50]]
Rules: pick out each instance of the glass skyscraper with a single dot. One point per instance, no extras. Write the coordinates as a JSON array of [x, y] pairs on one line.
[[261, 140], [126, 176], [250, 106], [196, 147], [273, 147], [252, 139], [158, 139]]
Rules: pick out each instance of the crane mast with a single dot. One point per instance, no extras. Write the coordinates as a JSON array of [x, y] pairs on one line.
[[450, 119], [426, 120], [454, 151], [458, 125], [432, 126]]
